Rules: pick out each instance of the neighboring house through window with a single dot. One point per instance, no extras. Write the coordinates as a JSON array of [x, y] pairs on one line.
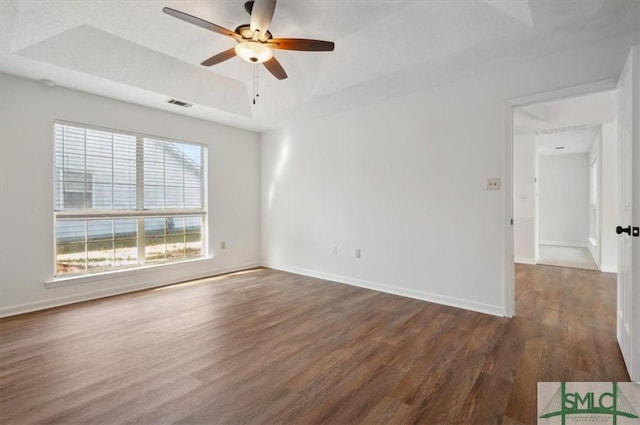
[[126, 200]]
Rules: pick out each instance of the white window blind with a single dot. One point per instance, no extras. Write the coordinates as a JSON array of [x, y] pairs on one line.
[[124, 200], [172, 175]]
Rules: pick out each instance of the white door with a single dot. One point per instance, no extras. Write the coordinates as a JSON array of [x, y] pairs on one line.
[[629, 207]]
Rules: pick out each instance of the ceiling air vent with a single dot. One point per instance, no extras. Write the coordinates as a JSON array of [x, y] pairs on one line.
[[179, 103], [568, 129]]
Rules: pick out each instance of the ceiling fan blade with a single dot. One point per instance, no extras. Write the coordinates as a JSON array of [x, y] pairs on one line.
[[261, 15], [274, 67], [302, 44], [220, 57], [199, 22]]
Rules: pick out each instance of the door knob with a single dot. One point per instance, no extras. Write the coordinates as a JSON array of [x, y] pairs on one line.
[[620, 230]]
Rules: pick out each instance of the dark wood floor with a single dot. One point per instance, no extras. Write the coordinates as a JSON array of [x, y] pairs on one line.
[[267, 347]]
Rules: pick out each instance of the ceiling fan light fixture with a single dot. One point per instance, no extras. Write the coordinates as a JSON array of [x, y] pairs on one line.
[[253, 52]]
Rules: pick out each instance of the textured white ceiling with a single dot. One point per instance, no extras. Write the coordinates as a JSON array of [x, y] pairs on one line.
[[570, 123], [570, 142], [131, 51], [589, 110]]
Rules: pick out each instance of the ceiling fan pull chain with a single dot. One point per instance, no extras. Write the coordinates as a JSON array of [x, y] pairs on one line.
[[253, 80], [255, 83]]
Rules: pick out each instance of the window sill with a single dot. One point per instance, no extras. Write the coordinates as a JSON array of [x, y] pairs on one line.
[[101, 276]]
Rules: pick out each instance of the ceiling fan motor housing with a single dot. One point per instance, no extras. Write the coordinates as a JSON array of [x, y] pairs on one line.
[[246, 33]]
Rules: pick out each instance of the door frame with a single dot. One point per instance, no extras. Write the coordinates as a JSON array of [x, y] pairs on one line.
[[509, 105]]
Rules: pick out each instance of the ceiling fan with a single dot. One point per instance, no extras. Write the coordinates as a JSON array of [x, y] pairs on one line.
[[255, 42]]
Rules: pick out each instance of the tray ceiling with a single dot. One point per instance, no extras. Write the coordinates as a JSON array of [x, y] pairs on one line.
[[130, 50]]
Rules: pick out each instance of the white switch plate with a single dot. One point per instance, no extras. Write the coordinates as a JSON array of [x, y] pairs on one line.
[[334, 251], [223, 245], [493, 184], [357, 253]]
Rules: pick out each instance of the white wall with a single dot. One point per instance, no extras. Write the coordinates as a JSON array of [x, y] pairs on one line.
[[404, 181], [595, 157], [609, 199], [524, 198], [28, 110], [563, 208]]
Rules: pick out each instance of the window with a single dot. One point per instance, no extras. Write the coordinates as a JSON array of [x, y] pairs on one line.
[[126, 200]]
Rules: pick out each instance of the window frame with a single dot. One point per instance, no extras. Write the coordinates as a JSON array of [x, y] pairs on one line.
[[140, 213]]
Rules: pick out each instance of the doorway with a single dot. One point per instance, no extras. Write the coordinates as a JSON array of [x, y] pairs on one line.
[[564, 186], [627, 200]]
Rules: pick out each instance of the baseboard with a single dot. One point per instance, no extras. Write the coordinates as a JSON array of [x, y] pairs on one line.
[[525, 260], [494, 310], [570, 244], [108, 292]]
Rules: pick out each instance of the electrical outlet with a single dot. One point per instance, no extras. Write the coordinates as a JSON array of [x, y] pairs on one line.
[[493, 184], [358, 253], [223, 245]]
